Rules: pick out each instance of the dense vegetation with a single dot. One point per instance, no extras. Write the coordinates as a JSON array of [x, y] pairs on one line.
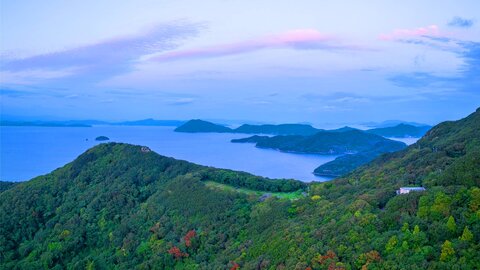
[[6, 185], [342, 165], [119, 207], [401, 130], [119, 204], [347, 163]]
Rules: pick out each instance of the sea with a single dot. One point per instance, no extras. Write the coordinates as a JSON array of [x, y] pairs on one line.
[[27, 152]]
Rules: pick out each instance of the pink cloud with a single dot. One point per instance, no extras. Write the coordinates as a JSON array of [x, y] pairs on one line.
[[298, 39], [399, 34]]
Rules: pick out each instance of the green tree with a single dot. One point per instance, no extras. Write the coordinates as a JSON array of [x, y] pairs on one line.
[[447, 251], [416, 230], [451, 224], [391, 244], [466, 235], [441, 205]]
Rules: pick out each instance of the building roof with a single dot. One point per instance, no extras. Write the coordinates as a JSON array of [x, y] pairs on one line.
[[413, 188]]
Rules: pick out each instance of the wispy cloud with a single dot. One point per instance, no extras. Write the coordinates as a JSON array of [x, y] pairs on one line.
[[417, 79], [181, 101], [350, 99], [104, 58], [469, 52], [34, 75], [430, 36], [338, 98], [461, 22], [407, 34], [466, 80], [301, 39]]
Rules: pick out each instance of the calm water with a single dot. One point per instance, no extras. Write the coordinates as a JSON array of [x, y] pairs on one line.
[[27, 152], [407, 141]]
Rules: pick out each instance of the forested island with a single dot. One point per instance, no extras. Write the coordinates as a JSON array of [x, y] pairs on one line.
[[102, 138], [117, 206], [198, 126], [355, 148], [326, 143], [401, 131]]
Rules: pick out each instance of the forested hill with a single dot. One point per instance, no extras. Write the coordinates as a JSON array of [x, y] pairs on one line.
[[351, 141], [448, 154], [124, 207]]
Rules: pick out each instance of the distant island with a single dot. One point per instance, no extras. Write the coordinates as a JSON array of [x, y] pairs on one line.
[[198, 126], [355, 147], [283, 129], [102, 138], [325, 143], [392, 123], [151, 122], [401, 131]]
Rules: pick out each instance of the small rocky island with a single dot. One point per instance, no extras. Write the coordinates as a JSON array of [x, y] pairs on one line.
[[102, 138]]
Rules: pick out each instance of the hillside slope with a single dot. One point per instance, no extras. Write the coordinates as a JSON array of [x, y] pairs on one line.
[[124, 205]]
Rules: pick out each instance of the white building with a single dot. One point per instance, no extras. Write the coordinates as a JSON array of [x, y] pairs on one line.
[[406, 190]]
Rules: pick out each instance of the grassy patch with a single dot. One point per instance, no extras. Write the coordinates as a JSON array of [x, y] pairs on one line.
[[284, 195]]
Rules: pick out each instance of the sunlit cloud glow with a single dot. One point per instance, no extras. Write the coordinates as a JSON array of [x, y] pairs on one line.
[[300, 39]]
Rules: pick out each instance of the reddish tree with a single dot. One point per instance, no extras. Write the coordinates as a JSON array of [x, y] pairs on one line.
[[188, 237], [329, 256], [177, 253], [235, 266]]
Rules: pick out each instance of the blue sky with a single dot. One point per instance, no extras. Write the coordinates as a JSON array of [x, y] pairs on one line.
[[271, 61]]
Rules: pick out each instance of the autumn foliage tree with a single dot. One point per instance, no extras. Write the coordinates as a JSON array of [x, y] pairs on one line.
[[188, 237], [235, 266], [177, 253]]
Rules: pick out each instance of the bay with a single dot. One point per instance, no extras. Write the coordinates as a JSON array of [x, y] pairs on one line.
[[27, 152]]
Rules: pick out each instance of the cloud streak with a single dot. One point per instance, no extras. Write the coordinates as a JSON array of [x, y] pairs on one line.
[[406, 34], [300, 39], [467, 79], [105, 58]]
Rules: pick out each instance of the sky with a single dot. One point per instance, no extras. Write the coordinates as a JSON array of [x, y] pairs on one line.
[[266, 61]]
